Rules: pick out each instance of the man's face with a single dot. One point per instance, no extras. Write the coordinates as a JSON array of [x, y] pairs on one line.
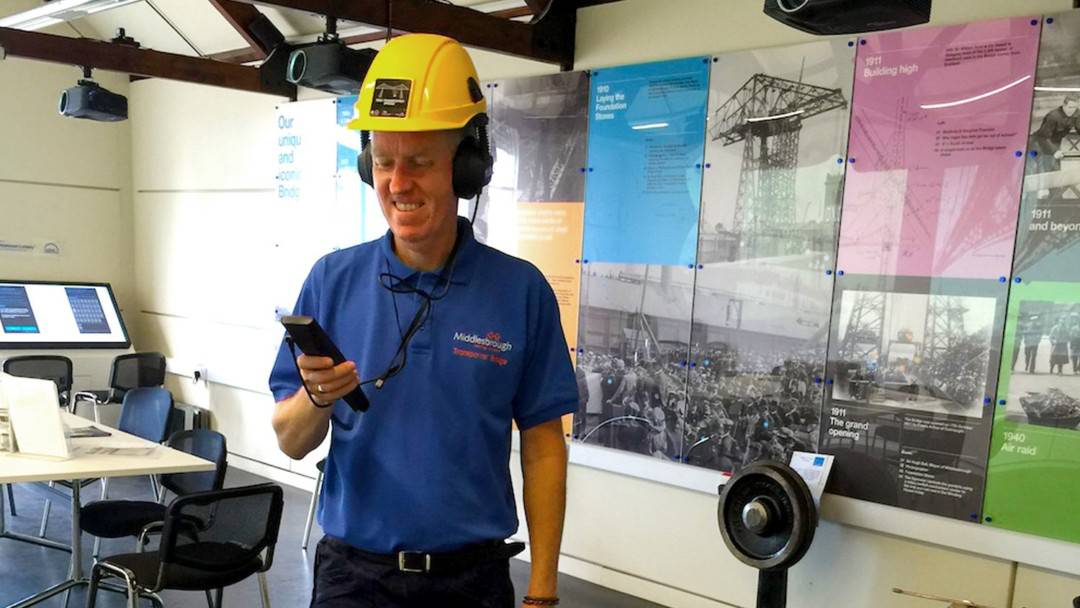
[[413, 175], [1070, 107]]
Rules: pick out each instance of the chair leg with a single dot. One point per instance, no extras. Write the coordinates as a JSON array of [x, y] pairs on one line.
[[97, 548], [132, 595], [218, 593], [264, 592], [45, 518], [311, 512], [209, 599], [91, 590], [11, 500]]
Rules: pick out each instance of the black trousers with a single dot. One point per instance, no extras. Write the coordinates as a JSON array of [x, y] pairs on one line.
[[345, 579]]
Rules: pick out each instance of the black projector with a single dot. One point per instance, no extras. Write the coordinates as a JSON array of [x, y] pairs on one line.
[[329, 66], [829, 17], [90, 101]]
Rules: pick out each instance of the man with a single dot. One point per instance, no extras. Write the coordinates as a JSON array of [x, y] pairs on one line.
[[1032, 334], [1074, 340], [1057, 123], [451, 341]]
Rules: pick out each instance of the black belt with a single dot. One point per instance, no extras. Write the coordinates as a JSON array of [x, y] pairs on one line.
[[450, 561]]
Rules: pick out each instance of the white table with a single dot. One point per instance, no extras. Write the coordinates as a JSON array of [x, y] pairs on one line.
[[20, 468]]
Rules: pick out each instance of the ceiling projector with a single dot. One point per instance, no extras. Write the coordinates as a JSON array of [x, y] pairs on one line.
[[830, 17], [329, 65], [91, 101]]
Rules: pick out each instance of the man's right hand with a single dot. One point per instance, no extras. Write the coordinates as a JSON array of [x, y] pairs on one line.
[[327, 382]]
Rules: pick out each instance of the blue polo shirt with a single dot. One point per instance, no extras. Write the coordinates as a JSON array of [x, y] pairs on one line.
[[427, 466]]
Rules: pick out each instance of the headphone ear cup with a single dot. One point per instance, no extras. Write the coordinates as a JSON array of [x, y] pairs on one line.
[[363, 166], [472, 168]]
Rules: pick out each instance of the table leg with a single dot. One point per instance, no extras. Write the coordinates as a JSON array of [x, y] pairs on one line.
[[75, 578], [33, 540]]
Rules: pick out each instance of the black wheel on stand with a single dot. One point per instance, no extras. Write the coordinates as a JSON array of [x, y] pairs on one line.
[[767, 518]]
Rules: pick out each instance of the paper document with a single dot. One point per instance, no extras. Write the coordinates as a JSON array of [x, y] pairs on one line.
[[113, 450], [34, 408], [80, 432]]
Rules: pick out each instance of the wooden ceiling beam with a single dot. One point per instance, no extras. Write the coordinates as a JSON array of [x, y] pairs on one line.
[[136, 61], [536, 6], [254, 27], [247, 55], [549, 41]]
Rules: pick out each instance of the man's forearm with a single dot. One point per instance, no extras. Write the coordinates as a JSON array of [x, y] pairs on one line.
[[543, 463], [299, 425]]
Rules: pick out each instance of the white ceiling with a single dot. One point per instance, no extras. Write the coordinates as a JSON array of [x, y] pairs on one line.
[[154, 24]]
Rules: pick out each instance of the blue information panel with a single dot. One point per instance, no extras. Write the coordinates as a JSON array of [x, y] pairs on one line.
[[646, 149]]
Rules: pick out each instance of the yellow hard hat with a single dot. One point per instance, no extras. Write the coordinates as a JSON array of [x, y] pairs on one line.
[[419, 82]]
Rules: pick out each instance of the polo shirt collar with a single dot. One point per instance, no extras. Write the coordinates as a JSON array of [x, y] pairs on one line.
[[464, 264]]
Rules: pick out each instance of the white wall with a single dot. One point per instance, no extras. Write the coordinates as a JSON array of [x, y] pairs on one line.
[[63, 180], [203, 202]]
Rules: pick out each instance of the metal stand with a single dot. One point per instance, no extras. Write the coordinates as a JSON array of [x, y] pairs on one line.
[[25, 538], [772, 589], [76, 577]]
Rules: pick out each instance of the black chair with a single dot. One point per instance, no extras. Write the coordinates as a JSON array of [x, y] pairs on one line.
[[210, 540], [144, 413], [133, 370], [136, 518], [43, 367]]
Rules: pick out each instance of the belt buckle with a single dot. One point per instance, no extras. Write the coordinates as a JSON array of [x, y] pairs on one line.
[[405, 565]]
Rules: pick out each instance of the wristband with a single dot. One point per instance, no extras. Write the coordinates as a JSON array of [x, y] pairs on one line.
[[540, 601]]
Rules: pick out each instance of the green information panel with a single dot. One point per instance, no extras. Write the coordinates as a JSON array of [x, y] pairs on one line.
[[1033, 479]]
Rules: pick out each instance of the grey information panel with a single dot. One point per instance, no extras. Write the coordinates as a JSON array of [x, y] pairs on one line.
[[912, 372], [778, 123]]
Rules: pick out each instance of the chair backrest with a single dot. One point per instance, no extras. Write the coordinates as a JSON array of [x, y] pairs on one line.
[[222, 530], [44, 367], [137, 370], [145, 413], [206, 444]]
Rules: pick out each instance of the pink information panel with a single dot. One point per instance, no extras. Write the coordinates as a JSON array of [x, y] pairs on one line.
[[938, 136]]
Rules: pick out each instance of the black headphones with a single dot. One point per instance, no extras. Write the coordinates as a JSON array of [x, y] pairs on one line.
[[472, 160]]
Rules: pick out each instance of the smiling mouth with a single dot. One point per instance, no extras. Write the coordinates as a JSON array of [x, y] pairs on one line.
[[406, 207]]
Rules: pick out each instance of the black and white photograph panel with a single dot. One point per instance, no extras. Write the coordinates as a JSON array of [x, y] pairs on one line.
[[1045, 248], [775, 150], [1044, 386], [758, 356], [539, 136], [916, 351], [632, 360]]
